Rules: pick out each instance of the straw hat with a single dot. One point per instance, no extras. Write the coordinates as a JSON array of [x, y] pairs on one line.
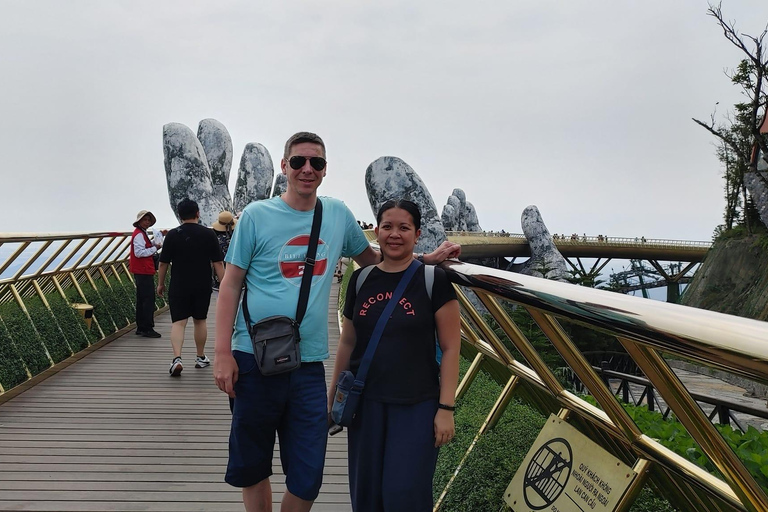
[[226, 220], [141, 215]]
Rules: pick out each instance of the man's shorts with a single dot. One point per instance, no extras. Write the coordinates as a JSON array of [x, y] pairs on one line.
[[189, 303], [293, 405]]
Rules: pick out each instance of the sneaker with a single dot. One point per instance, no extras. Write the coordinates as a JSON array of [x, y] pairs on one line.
[[151, 334], [202, 362], [139, 332], [176, 367]]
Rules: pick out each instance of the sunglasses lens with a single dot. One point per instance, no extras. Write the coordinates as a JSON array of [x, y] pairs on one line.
[[297, 162], [317, 163]]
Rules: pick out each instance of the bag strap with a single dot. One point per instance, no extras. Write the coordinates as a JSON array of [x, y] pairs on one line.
[[362, 372], [309, 262], [429, 279], [309, 270], [361, 277]]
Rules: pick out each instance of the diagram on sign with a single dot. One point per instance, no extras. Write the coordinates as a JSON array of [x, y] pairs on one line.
[[547, 474]]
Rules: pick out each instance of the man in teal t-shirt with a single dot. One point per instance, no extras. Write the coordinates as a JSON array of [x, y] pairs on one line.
[[267, 252]]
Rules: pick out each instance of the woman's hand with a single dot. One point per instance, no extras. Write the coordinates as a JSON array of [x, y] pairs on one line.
[[444, 428]]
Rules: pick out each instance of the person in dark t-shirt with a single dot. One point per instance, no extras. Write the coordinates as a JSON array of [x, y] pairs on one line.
[[406, 410], [189, 249]]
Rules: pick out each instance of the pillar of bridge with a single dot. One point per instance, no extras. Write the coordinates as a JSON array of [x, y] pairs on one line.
[[673, 291]]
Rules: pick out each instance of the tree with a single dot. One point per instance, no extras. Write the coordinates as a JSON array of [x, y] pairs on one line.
[[741, 140]]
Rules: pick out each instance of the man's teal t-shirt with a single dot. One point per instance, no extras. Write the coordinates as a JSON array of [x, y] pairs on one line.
[[270, 243]]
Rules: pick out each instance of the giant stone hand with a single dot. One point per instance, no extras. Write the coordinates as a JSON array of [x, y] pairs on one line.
[[389, 177], [198, 168]]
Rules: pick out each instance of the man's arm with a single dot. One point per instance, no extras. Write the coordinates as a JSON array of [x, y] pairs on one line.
[[225, 369], [218, 267], [446, 250], [162, 269], [371, 256]]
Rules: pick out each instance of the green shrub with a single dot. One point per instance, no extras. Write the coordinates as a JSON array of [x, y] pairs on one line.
[[498, 453], [470, 413], [490, 466], [127, 308], [160, 301], [12, 370], [48, 329], [750, 446], [72, 325], [113, 302], [127, 294], [28, 343], [100, 310]]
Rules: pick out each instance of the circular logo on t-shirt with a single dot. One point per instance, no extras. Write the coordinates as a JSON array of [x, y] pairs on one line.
[[293, 254]]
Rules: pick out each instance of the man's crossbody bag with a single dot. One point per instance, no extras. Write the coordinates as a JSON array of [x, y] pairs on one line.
[[276, 339]]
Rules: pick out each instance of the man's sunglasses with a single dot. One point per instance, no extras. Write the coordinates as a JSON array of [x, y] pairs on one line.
[[317, 163]]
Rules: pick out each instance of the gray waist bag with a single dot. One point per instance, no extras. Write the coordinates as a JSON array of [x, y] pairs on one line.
[[276, 345], [276, 339]]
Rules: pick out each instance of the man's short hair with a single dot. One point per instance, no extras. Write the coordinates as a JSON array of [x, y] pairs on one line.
[[187, 209], [298, 138]]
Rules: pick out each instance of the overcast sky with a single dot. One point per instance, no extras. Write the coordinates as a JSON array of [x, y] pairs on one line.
[[581, 108]]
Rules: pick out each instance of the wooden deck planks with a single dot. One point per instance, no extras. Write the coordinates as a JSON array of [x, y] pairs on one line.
[[114, 432]]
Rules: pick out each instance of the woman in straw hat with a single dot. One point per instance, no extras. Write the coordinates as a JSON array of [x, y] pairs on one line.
[[224, 226], [142, 266]]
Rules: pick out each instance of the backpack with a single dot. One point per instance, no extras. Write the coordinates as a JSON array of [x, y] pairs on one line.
[[429, 282]]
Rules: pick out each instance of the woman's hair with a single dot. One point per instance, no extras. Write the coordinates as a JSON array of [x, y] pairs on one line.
[[403, 204]]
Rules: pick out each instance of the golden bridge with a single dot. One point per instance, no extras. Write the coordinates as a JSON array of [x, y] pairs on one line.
[[89, 419]]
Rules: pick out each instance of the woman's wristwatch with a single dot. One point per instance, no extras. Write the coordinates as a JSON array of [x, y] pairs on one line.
[[446, 407], [420, 257]]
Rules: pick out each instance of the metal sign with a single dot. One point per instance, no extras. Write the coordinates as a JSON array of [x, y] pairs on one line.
[[565, 471]]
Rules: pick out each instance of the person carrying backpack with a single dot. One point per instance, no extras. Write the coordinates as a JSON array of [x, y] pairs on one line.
[[405, 412]]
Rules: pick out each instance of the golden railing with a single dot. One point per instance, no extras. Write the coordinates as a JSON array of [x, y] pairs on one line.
[[647, 330], [36, 265]]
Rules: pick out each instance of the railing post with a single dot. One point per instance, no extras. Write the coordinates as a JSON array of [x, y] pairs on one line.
[[469, 377], [604, 367], [724, 415]]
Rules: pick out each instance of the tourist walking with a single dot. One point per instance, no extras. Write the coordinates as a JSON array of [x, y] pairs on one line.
[[189, 250], [142, 266], [268, 253], [223, 227], [406, 409]]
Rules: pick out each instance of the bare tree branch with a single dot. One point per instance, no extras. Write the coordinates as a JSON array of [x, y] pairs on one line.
[[725, 138]]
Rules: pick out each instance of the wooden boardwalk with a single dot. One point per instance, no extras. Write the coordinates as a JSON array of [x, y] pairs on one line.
[[115, 432]]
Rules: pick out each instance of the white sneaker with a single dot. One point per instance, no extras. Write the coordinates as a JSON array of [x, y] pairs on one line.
[[176, 367], [202, 362]]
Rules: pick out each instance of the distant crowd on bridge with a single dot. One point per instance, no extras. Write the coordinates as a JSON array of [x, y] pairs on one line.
[[584, 238], [364, 225]]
